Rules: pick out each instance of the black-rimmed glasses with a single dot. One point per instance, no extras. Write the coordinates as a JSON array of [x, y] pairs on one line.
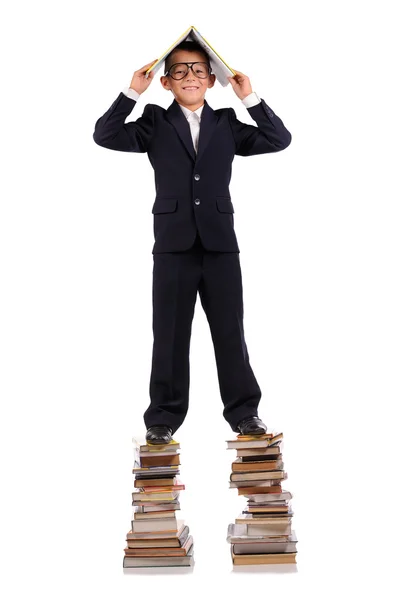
[[180, 70]]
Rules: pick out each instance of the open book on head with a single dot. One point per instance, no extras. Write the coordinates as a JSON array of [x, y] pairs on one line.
[[219, 67]]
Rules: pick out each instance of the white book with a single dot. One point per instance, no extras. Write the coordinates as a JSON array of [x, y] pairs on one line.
[[219, 66], [253, 529], [238, 533], [259, 498], [154, 525], [155, 535]]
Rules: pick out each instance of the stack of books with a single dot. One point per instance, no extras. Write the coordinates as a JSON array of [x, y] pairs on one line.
[[262, 533], [157, 538]]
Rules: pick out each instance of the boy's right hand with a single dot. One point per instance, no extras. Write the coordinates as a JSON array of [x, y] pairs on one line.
[[139, 81]]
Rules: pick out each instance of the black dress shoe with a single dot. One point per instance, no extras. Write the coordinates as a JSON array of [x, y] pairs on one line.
[[251, 426], [159, 434]]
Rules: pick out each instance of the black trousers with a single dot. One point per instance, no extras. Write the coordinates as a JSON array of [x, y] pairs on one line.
[[177, 277]]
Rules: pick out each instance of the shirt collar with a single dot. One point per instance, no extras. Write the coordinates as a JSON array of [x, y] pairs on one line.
[[187, 112]]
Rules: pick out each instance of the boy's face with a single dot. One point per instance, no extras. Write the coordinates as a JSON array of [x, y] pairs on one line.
[[192, 99]]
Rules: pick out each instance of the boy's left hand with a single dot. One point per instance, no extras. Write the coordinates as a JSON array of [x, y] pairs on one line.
[[241, 84]]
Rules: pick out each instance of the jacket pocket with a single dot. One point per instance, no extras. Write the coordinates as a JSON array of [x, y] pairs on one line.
[[224, 204], [164, 205]]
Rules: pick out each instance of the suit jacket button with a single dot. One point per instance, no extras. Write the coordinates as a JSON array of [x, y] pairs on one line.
[[196, 177], [197, 201]]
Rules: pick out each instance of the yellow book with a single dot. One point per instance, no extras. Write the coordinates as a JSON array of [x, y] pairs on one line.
[[140, 444], [219, 66]]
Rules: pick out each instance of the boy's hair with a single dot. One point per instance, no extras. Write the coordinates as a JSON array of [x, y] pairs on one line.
[[191, 47]]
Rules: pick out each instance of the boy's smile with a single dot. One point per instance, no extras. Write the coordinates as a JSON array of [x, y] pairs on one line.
[[190, 90]]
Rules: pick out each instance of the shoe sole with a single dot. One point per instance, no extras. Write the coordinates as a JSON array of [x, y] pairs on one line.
[[256, 432], [158, 441]]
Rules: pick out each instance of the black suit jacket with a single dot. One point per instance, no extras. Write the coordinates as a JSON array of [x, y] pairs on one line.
[[192, 189]]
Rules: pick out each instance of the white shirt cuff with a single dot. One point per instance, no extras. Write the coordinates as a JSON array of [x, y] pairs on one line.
[[251, 100], [131, 93]]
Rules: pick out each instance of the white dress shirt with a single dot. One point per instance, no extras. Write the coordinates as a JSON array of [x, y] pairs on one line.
[[194, 117]]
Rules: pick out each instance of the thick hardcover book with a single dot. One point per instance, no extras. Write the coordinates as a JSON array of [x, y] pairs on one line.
[[259, 441], [159, 561], [159, 461], [263, 559], [249, 491], [259, 453], [182, 551], [242, 466], [155, 482]]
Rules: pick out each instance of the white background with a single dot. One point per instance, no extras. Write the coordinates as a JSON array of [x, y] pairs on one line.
[[317, 226]]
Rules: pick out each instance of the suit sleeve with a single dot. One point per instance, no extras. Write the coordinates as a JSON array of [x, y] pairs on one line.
[[111, 131], [270, 135]]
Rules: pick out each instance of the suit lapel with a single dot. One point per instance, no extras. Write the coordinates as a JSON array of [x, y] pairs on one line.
[[209, 119]]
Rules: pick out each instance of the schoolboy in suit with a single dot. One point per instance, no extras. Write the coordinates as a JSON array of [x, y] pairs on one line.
[[191, 148]]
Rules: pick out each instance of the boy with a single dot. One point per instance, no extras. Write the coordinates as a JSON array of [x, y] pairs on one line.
[[191, 148]]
